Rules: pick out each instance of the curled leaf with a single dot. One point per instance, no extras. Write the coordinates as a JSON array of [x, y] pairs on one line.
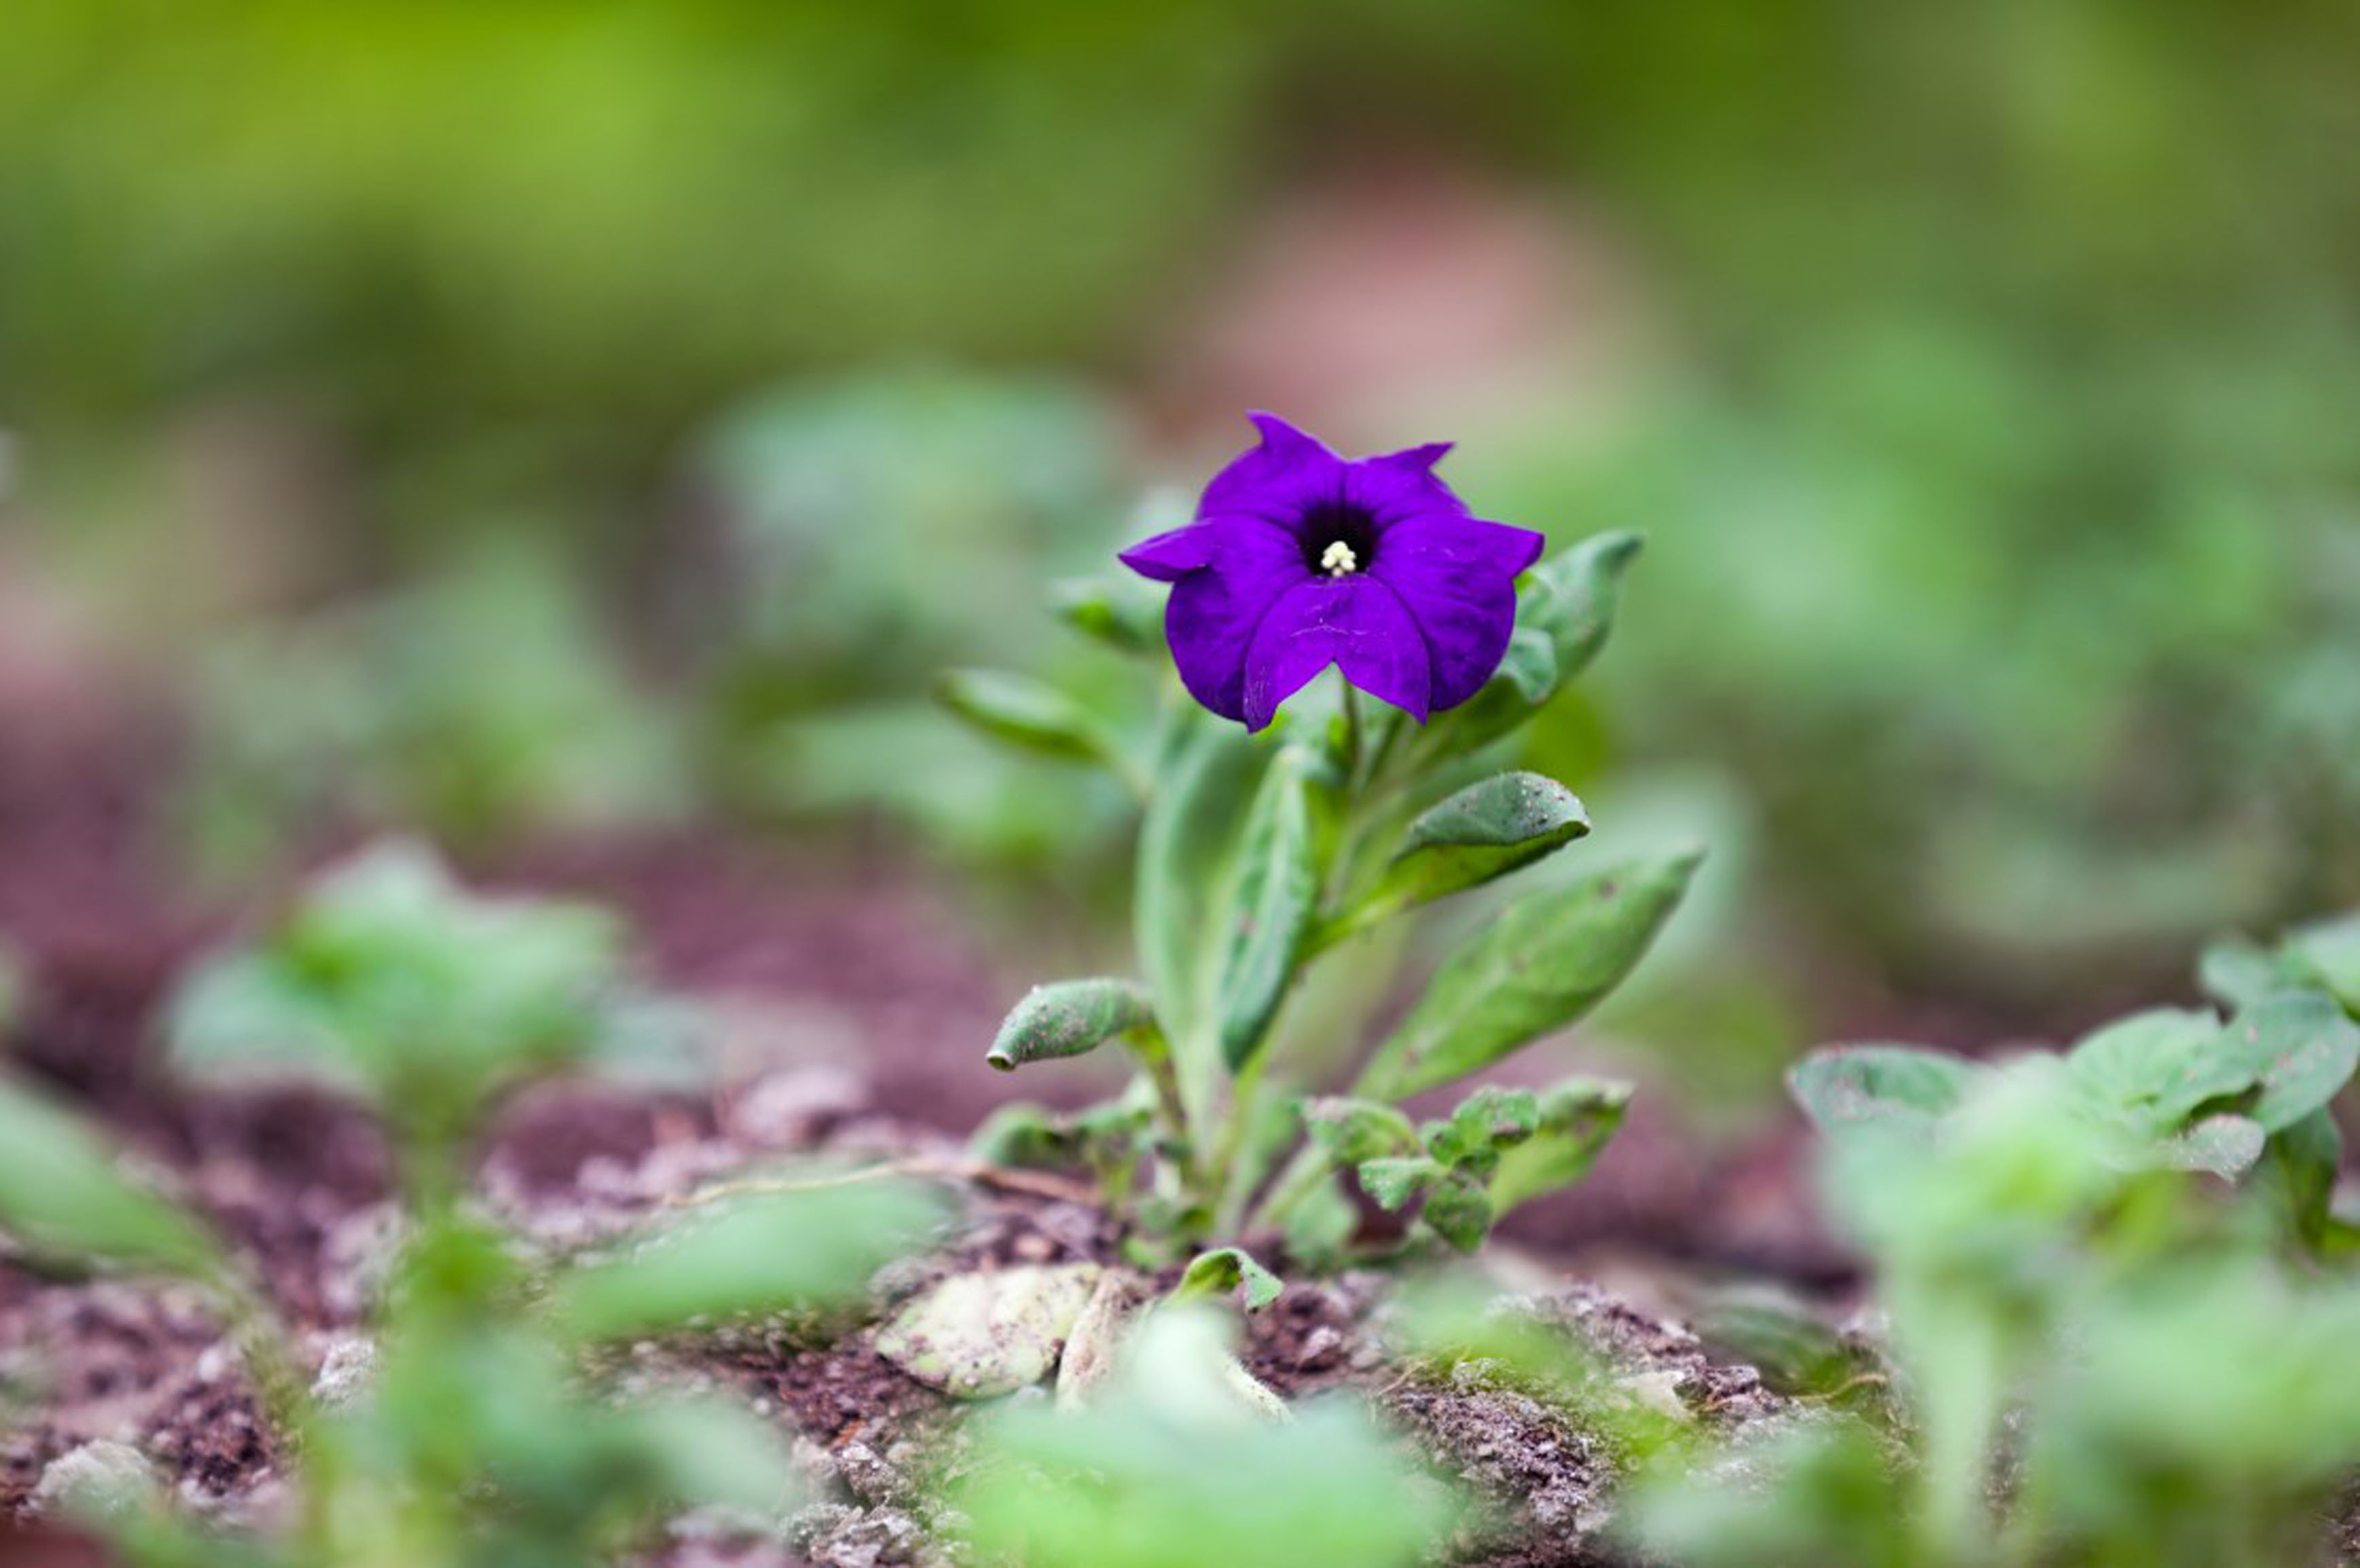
[[1069, 1018], [1219, 1272]]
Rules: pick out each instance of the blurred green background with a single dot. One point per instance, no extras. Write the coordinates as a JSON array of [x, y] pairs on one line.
[[523, 418]]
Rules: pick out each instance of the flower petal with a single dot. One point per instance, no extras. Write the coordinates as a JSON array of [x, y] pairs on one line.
[[1169, 556], [1458, 576], [1214, 609], [1288, 471], [1355, 622]]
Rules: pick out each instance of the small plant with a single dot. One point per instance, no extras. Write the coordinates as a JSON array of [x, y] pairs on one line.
[[476, 1433], [2097, 1356], [1285, 821]]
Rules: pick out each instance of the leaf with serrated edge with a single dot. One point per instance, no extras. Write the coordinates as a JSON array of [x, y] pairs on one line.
[[1578, 1117], [1539, 966]]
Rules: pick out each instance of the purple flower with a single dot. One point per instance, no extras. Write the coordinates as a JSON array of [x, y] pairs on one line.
[[1300, 559]]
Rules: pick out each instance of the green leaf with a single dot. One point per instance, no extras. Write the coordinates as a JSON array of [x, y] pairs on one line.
[[2330, 950], [1349, 1131], [1848, 1085], [1069, 1018], [2236, 972], [1575, 595], [793, 1251], [1320, 1226], [1461, 1211], [1485, 1123], [389, 976], [2226, 1146], [1539, 966], [1125, 615], [63, 1192], [1219, 1272], [1527, 678], [1276, 895], [2300, 1047], [2299, 1167], [1025, 712], [1024, 1135], [2146, 1073], [981, 1334], [1577, 1118], [1483, 833], [1394, 1182], [1186, 845]]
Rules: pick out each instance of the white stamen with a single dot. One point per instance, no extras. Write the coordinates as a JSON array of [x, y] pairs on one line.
[[1337, 560]]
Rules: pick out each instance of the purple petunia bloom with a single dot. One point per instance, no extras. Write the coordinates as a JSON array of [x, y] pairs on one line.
[[1300, 559]]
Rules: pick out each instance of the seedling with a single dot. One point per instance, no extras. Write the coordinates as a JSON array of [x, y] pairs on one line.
[[476, 1437], [1286, 821]]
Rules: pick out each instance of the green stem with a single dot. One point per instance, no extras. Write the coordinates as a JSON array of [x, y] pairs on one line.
[[1298, 1181], [1228, 1170], [1154, 1053]]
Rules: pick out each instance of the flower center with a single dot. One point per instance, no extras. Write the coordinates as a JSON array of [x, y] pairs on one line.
[[1338, 538]]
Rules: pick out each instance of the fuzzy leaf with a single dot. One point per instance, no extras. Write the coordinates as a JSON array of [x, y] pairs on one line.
[[1527, 678], [2330, 950], [1349, 1130], [1394, 1182], [2236, 972], [2299, 1047], [978, 1336], [1025, 712], [1844, 1085], [1539, 966], [2225, 1146], [1460, 1212], [2145, 1074], [1578, 1117], [1485, 1123], [1484, 832], [1277, 893], [1069, 1018], [1219, 1272], [1576, 594]]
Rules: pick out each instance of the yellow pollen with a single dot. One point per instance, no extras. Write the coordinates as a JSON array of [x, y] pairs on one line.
[[1337, 560]]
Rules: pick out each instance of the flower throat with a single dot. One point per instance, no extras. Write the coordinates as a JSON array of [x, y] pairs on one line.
[[1338, 538]]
